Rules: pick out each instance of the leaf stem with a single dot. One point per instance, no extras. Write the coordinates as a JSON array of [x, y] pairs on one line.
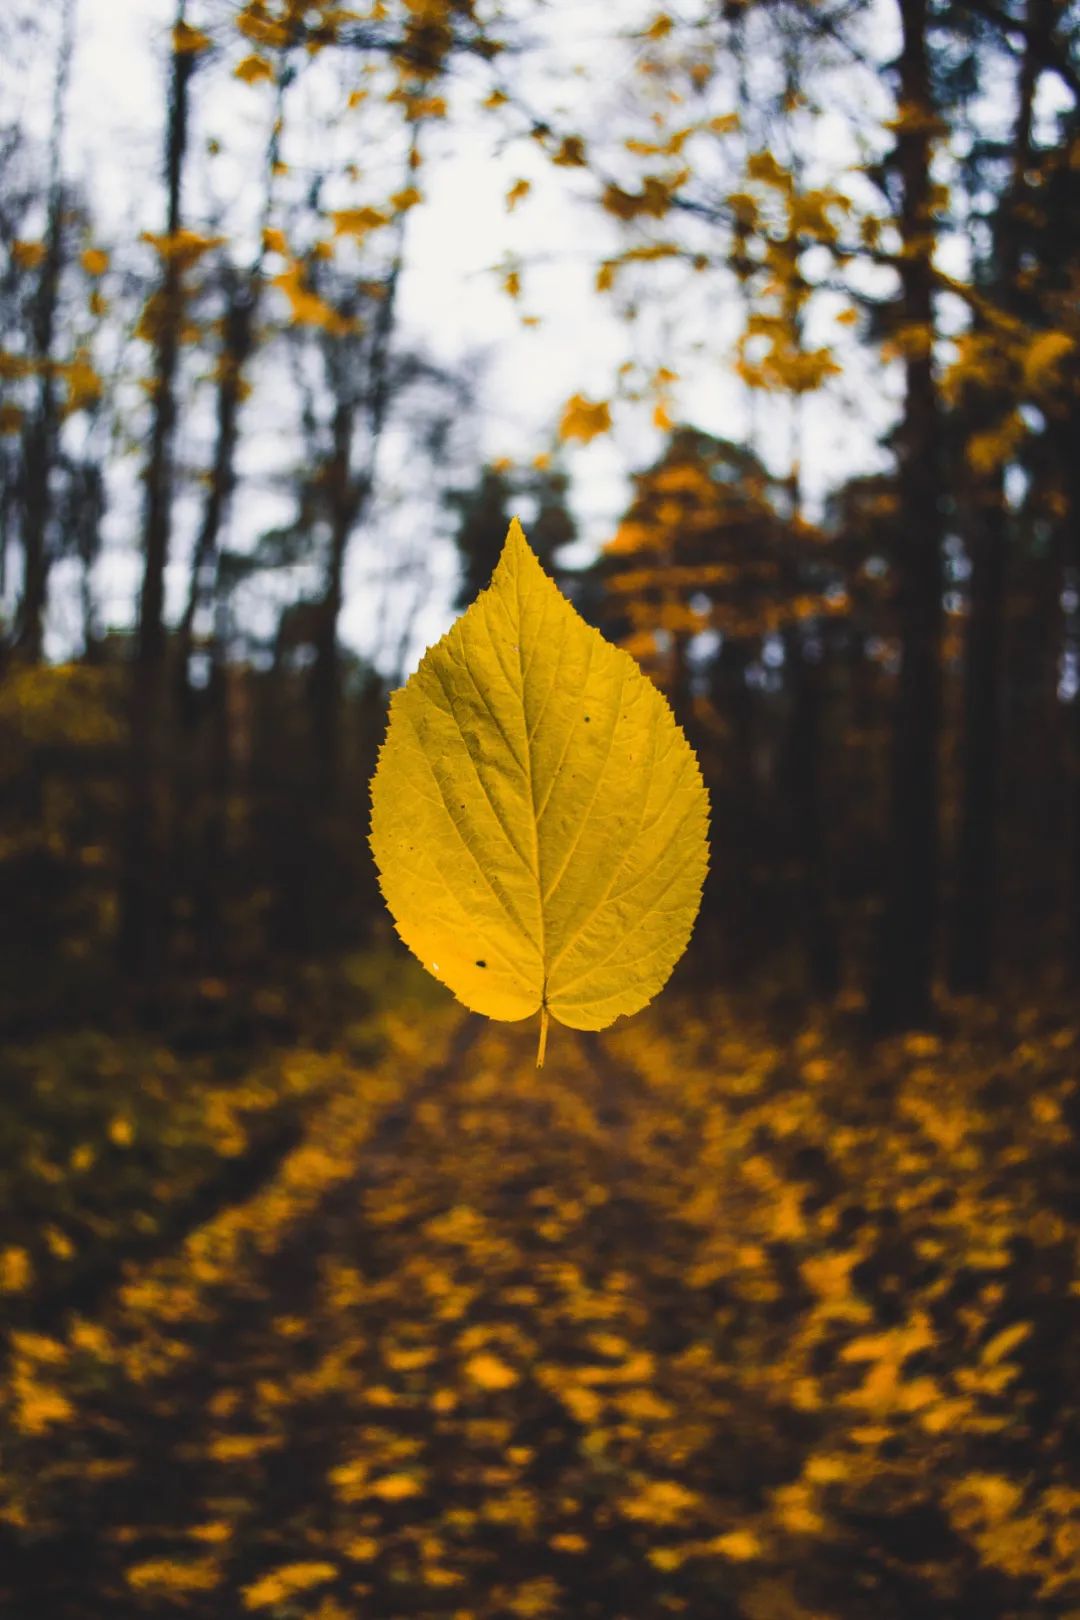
[[542, 1048]]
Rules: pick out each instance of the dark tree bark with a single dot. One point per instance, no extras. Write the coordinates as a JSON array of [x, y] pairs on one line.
[[239, 325], [902, 992], [349, 492], [39, 443], [243, 297], [816, 922], [1072, 547], [976, 893], [142, 894]]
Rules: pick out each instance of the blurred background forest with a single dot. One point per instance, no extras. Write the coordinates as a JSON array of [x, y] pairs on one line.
[[770, 333], [212, 403]]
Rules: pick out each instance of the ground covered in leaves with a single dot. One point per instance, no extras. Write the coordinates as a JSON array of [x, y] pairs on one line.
[[691, 1322]]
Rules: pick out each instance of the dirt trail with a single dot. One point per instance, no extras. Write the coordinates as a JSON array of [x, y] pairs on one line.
[[502, 1362]]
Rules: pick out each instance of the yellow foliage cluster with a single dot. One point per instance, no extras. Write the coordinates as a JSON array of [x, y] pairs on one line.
[[184, 247], [50, 705], [306, 307]]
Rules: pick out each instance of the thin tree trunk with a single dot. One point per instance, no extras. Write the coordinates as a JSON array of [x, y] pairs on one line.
[[976, 896], [346, 501], [903, 988], [142, 898], [1072, 551], [349, 497], [39, 444], [236, 351], [817, 922], [244, 295]]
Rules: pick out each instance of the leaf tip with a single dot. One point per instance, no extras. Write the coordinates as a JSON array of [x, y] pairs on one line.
[[515, 536]]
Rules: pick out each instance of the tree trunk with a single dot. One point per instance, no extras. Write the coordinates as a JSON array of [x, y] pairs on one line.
[[976, 897], [142, 897], [902, 993], [345, 503], [243, 298], [349, 495], [817, 923], [39, 444], [1072, 549], [236, 351]]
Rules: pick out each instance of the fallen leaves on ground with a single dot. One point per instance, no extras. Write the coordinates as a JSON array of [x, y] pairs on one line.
[[696, 1321]]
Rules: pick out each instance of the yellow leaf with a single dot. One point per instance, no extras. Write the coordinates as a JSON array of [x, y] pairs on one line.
[[358, 221], [214, 1532], [667, 1558], [571, 153], [188, 41], [738, 1545], [489, 1372], [764, 168], [252, 69], [660, 1501], [518, 190], [16, 1271], [1004, 1342], [184, 247], [1046, 356], [362, 1550], [95, 261], [538, 818], [121, 1131], [584, 1405], [306, 308], [84, 385], [653, 200], [569, 1543], [261, 29], [584, 419], [27, 255], [395, 1487], [284, 1582], [174, 1575]]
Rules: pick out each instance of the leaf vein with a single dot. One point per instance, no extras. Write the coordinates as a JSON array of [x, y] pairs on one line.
[[499, 896], [584, 819]]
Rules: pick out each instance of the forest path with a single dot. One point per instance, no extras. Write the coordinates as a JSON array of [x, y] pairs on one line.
[[641, 1334]]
